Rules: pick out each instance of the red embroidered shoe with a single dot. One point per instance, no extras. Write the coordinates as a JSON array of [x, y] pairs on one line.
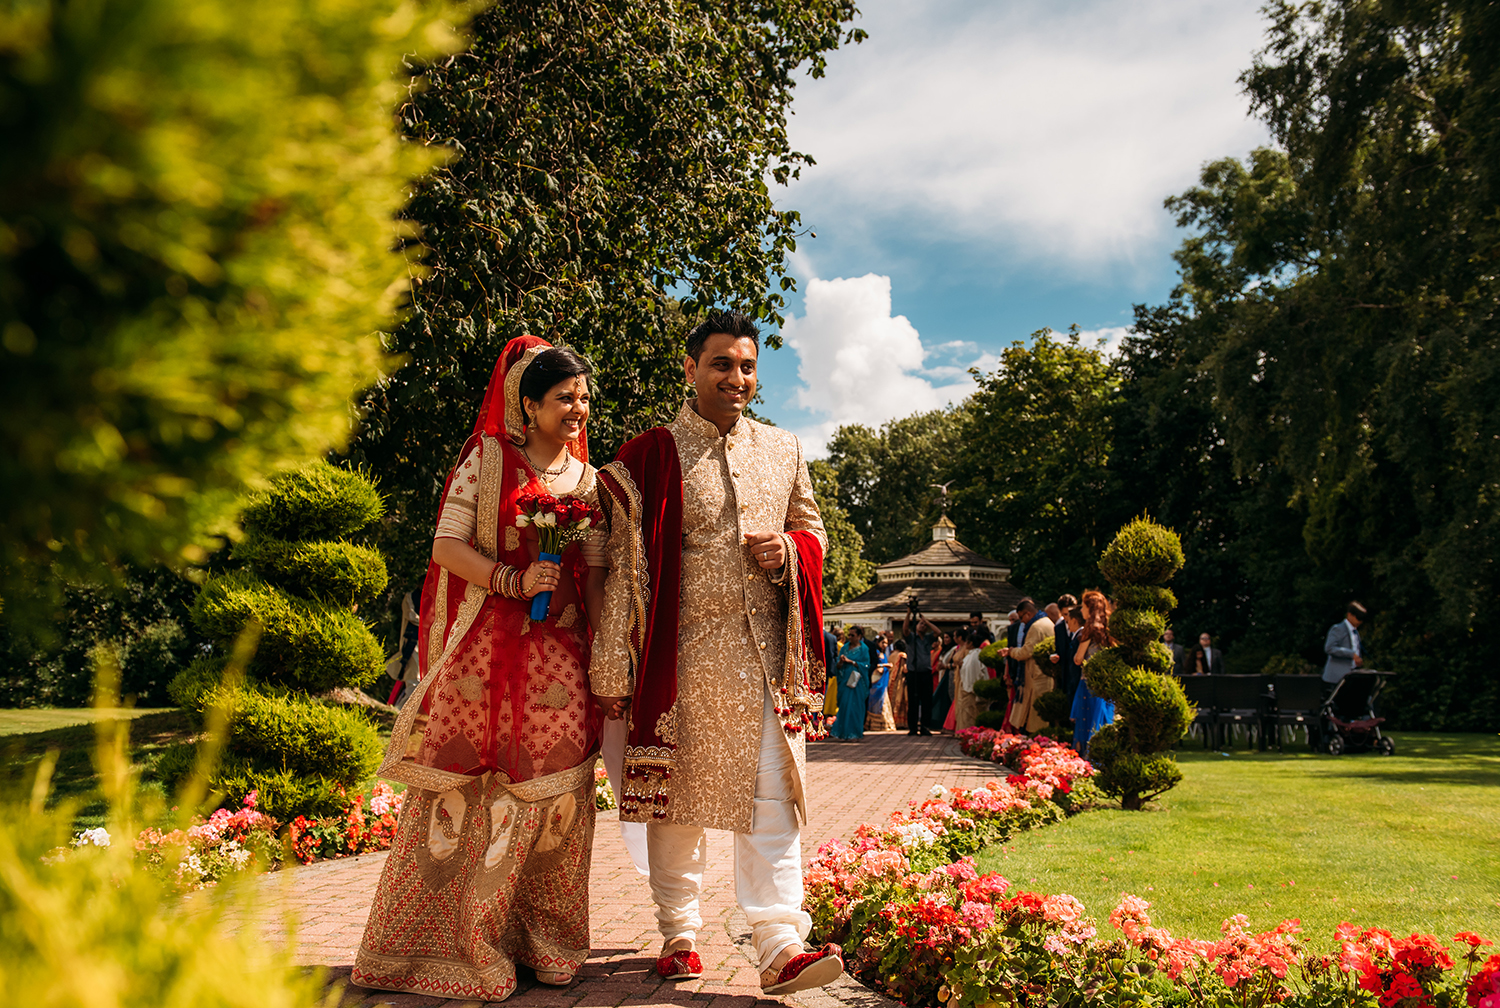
[[808, 970], [680, 964]]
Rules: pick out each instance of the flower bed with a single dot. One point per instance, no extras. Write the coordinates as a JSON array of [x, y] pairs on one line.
[[1049, 763], [917, 920], [226, 843]]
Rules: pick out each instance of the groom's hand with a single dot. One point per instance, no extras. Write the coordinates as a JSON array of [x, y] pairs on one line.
[[613, 706], [767, 549]]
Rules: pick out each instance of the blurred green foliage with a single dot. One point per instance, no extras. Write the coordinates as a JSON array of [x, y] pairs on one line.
[[196, 232], [610, 179]]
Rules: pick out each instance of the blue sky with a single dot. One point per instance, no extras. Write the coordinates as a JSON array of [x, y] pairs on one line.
[[986, 169]]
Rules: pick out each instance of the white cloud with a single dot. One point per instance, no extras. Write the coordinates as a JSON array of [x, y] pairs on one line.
[[1032, 126], [1107, 339], [860, 364]]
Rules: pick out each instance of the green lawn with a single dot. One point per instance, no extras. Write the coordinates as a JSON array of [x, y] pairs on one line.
[[20, 722], [1408, 843]]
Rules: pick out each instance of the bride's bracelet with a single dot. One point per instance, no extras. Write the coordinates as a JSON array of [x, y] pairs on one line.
[[506, 580]]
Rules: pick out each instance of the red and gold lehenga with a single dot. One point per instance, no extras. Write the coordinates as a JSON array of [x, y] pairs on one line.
[[497, 745]]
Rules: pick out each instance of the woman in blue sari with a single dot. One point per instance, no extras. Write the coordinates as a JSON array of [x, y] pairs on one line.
[[877, 707], [1090, 713], [853, 671]]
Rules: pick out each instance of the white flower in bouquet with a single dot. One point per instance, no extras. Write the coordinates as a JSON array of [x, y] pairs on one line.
[[522, 520], [545, 519]]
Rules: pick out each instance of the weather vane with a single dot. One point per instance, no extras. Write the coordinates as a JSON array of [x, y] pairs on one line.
[[942, 498]]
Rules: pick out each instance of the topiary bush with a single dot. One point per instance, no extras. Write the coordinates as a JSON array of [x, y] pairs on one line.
[[1151, 711], [298, 753]]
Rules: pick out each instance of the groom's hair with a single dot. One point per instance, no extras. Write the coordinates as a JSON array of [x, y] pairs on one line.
[[729, 323]]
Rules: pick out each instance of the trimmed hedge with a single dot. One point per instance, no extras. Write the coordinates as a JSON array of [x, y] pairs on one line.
[[317, 501], [308, 645], [298, 753], [1152, 712], [1142, 553], [281, 794], [327, 571]]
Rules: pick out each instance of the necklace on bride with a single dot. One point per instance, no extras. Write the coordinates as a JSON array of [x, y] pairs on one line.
[[548, 475]]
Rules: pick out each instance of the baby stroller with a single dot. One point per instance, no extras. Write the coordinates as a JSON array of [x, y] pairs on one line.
[[1349, 721]]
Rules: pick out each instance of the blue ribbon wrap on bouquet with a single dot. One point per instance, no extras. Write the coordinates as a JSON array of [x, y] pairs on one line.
[[541, 600]]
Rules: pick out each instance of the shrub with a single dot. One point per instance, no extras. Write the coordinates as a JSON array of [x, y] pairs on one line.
[[308, 645], [1145, 597], [310, 738], [990, 718], [337, 572], [1142, 553], [1288, 664], [1152, 712], [316, 501], [990, 690], [1054, 706], [1136, 628], [298, 754]]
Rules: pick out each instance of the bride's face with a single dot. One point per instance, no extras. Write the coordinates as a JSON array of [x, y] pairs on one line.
[[563, 410]]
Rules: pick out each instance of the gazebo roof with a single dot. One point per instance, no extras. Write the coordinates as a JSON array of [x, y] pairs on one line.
[[948, 578]]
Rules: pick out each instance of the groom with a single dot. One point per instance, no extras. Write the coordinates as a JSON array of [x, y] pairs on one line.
[[710, 633]]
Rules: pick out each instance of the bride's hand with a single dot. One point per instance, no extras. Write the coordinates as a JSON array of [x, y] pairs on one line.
[[541, 576]]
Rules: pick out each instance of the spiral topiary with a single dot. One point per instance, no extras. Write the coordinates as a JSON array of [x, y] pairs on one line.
[[1151, 711], [300, 581]]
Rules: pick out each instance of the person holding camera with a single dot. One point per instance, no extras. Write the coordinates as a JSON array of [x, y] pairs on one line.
[[919, 634]]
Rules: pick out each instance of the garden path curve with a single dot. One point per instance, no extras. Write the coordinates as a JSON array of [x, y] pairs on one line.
[[850, 783]]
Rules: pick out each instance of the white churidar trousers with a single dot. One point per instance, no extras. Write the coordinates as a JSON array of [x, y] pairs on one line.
[[767, 860]]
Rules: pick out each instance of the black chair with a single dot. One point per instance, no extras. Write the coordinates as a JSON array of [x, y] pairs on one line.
[[1240, 703], [1298, 699], [1200, 690]]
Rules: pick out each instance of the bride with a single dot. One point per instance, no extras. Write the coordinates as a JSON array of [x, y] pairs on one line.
[[490, 863]]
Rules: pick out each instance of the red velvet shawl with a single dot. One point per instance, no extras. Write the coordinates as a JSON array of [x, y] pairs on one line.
[[645, 481]]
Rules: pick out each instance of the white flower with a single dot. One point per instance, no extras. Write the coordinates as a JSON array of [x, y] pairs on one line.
[[915, 835], [585, 522], [522, 520], [548, 519], [98, 836], [941, 793], [236, 854]]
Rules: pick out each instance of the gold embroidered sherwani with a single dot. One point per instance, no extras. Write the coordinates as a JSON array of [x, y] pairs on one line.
[[732, 637]]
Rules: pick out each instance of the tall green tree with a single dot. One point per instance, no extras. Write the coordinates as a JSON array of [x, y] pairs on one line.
[[195, 252], [886, 478], [845, 571], [1346, 278], [609, 179], [1034, 486]]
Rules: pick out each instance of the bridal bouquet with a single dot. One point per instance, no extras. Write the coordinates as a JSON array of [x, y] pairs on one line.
[[559, 521]]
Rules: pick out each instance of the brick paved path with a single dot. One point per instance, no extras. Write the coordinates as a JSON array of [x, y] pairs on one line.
[[850, 783]]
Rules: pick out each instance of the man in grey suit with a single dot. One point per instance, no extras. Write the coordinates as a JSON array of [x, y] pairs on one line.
[[1342, 645]]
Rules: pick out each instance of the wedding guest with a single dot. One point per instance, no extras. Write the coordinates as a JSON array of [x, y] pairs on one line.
[[897, 688], [852, 669], [1090, 712], [1207, 659], [878, 705], [1179, 655], [1343, 646], [1023, 717], [920, 635]]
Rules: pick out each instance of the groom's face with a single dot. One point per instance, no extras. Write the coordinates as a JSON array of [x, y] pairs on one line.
[[724, 375]]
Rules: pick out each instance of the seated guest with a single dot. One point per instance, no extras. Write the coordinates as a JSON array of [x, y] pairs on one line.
[[1207, 660]]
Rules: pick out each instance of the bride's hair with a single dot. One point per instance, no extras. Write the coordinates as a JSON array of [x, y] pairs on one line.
[[1096, 618], [553, 365]]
